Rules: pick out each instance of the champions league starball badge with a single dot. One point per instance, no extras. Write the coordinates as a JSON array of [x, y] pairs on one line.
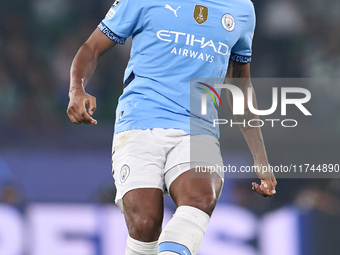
[[228, 22]]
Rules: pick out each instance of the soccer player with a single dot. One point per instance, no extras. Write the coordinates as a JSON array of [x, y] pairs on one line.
[[172, 41]]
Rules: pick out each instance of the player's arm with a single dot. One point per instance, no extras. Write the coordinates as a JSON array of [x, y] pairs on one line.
[[252, 135], [82, 69]]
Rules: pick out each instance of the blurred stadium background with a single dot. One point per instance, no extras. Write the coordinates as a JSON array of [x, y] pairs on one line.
[[56, 190]]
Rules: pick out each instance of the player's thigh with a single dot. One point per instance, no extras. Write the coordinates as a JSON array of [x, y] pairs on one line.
[[143, 211], [137, 162], [195, 188], [201, 193]]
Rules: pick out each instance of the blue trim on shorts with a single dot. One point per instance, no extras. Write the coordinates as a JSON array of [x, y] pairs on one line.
[[173, 247]]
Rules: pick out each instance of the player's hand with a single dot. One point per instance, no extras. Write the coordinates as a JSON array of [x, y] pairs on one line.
[[76, 109], [267, 187], [268, 180]]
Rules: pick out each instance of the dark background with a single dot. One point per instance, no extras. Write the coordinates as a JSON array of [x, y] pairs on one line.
[[45, 158]]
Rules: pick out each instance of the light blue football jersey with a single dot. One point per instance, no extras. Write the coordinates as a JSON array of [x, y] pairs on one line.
[[172, 42]]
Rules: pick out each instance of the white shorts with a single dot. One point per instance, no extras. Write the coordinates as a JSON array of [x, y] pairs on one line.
[[154, 158]]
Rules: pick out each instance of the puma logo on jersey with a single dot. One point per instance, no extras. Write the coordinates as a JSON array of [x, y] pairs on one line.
[[171, 9]]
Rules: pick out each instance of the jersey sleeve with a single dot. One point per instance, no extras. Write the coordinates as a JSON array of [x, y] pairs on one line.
[[241, 51], [122, 20]]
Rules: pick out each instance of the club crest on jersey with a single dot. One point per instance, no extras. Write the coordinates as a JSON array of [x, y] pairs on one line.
[[115, 3], [228, 22], [124, 173], [200, 14]]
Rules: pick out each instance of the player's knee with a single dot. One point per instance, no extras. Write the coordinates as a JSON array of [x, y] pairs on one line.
[[145, 228], [207, 204], [204, 202]]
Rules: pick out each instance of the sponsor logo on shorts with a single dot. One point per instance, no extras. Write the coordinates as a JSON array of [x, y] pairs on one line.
[[124, 173]]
